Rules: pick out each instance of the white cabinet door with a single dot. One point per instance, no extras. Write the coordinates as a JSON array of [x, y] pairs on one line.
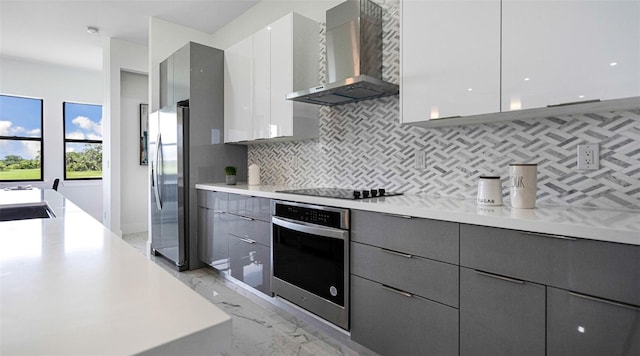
[[282, 77], [238, 92], [564, 51], [450, 58], [261, 83]]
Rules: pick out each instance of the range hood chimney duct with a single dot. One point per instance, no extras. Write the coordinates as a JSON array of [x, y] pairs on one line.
[[354, 57]]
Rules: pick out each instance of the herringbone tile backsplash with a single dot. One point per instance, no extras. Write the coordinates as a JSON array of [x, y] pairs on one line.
[[362, 145]]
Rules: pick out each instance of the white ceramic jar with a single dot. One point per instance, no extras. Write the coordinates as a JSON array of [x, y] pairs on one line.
[[523, 182], [489, 191]]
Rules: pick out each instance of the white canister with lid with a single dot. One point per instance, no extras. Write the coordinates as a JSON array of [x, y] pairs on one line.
[[523, 183], [254, 174], [489, 191]]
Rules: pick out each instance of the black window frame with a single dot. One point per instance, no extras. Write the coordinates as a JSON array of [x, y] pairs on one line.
[[66, 140], [23, 138]]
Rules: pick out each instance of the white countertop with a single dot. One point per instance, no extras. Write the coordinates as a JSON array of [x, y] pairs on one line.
[[597, 224], [69, 286]]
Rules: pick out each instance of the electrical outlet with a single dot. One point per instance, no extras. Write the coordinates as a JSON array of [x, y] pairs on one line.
[[589, 156], [420, 160]]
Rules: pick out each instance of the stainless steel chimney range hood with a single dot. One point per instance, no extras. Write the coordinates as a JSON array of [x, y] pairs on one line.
[[354, 57]]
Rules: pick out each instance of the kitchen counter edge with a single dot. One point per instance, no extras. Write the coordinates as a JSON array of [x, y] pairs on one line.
[[620, 226]]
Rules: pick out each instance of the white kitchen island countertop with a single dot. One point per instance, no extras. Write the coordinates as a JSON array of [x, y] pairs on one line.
[[621, 226], [69, 286]]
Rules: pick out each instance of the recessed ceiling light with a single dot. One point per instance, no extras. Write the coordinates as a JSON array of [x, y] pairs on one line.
[[92, 30], [526, 79], [470, 89], [613, 64]]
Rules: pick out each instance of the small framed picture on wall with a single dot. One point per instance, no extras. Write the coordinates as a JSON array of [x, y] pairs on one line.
[[144, 133]]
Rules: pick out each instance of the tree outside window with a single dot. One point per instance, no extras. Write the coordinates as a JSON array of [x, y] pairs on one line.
[[82, 141], [21, 147]]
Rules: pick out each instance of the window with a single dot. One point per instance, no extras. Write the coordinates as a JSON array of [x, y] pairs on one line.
[[82, 141], [21, 147]]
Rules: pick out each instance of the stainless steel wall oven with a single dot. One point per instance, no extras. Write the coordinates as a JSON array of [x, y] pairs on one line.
[[310, 261]]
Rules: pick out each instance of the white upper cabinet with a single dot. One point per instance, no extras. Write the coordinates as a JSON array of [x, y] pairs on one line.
[[566, 51], [284, 57], [494, 59], [450, 58], [261, 83], [238, 92]]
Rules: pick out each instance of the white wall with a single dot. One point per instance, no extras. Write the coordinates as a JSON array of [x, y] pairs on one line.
[[56, 84], [134, 188], [118, 56]]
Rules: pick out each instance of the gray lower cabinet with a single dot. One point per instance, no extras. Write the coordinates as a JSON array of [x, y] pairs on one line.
[[248, 224], [212, 229], [430, 279], [394, 322], [604, 269], [252, 207], [581, 325], [213, 246], [234, 237], [404, 284], [500, 315], [250, 263]]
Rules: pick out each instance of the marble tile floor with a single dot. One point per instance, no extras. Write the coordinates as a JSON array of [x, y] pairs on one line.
[[260, 327]]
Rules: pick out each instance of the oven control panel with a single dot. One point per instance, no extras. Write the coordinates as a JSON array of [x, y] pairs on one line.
[[319, 215]]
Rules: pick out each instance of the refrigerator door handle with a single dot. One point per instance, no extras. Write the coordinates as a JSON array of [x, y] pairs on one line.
[[156, 186]]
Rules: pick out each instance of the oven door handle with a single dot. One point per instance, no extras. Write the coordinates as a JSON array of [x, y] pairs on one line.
[[310, 229]]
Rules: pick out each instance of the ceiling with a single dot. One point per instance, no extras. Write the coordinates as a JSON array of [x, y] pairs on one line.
[[55, 31]]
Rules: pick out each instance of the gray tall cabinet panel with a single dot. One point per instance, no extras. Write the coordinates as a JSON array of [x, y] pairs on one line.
[[195, 73]]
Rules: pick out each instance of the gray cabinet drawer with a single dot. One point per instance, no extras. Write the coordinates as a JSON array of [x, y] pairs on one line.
[[430, 279], [212, 238], [500, 316], [250, 228], [212, 200], [581, 325], [253, 207], [390, 323], [433, 239], [250, 263], [604, 269]]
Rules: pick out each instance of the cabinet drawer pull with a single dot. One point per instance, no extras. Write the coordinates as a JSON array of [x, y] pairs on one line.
[[246, 218], [551, 236], [396, 253], [577, 295], [499, 277], [219, 211], [397, 291], [398, 216], [574, 103], [249, 241]]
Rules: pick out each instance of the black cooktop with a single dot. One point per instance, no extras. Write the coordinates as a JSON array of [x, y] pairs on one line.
[[339, 193]]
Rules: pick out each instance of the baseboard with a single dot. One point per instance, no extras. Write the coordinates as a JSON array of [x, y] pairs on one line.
[[134, 228]]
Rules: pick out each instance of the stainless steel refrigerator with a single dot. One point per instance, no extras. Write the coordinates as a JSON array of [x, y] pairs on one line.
[[169, 172], [186, 147]]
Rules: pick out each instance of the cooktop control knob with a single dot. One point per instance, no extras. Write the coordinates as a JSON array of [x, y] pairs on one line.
[[356, 194], [381, 192], [365, 194], [374, 193]]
